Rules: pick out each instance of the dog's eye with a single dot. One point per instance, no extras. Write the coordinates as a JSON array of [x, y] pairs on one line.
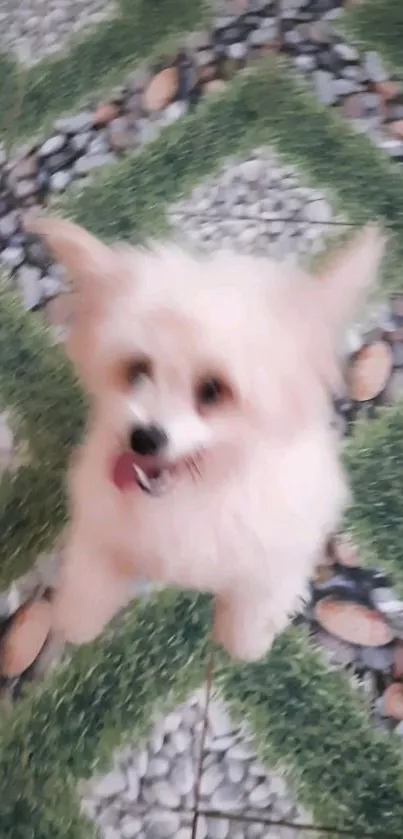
[[137, 370], [210, 392]]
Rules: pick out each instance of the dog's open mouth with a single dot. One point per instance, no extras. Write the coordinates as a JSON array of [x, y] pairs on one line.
[[150, 476], [155, 481]]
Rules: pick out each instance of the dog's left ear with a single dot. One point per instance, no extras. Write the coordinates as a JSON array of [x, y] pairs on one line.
[[91, 265], [354, 270]]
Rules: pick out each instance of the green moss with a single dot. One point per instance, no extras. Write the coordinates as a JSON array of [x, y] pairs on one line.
[[302, 715], [93, 62], [306, 717], [377, 25], [37, 383], [268, 105], [375, 463], [153, 658]]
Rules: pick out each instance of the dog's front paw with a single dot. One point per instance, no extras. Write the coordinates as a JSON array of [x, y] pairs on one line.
[[245, 634], [73, 622]]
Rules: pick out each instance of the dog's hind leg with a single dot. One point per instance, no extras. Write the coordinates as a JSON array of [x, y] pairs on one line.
[[93, 587], [242, 624]]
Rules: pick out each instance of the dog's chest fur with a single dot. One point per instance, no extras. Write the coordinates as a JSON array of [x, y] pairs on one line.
[[271, 516]]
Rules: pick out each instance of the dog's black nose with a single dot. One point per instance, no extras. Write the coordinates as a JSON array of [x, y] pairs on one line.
[[147, 439]]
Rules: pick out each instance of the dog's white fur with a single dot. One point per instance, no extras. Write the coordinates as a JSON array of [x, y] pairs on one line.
[[251, 527]]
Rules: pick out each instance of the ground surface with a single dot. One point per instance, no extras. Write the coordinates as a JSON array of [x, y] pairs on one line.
[[272, 128]]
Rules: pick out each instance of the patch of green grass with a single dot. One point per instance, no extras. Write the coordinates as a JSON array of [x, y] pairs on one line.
[[305, 717], [302, 715], [377, 25], [153, 658], [267, 105], [375, 462], [37, 383], [93, 62]]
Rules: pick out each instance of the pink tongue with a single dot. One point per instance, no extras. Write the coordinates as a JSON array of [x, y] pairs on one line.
[[123, 474]]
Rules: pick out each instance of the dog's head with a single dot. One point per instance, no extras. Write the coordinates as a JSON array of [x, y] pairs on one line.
[[183, 355]]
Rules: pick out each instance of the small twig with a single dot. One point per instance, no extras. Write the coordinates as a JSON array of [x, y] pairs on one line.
[[209, 685]]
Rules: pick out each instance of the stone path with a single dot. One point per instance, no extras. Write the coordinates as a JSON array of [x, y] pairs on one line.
[[150, 791], [35, 29], [258, 204], [93, 138]]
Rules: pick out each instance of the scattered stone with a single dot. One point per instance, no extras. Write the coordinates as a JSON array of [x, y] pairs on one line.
[[180, 741], [25, 189], [78, 124], [104, 114], [183, 776], [166, 795], [12, 257], [370, 371], [379, 659], [24, 639], [319, 211], [52, 146], [161, 90], [25, 168], [110, 785], [387, 89], [120, 135], [261, 796], [161, 825], [133, 784], [99, 143], [393, 701], [396, 129], [398, 661], [174, 111], [28, 280], [214, 86], [8, 225], [345, 551], [219, 720], [130, 827], [237, 51], [374, 67], [353, 622], [218, 828], [324, 87], [227, 798], [346, 52], [158, 767], [336, 651], [33, 31], [210, 780], [80, 142], [60, 180]]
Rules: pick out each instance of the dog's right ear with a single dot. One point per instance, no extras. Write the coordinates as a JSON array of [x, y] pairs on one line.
[[92, 266]]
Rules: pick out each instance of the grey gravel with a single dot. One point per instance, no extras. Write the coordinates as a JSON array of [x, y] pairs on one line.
[[28, 282], [346, 52], [374, 67], [324, 85], [34, 29], [89, 162], [12, 257], [61, 180], [77, 124], [52, 145], [228, 783], [258, 205]]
